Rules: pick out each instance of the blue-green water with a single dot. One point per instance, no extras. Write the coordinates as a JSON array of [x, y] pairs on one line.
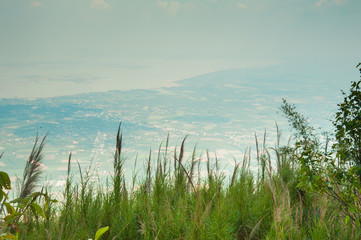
[[220, 111]]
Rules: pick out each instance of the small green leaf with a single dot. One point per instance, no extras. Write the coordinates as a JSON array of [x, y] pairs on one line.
[[100, 232], [11, 216], [37, 194], [347, 218]]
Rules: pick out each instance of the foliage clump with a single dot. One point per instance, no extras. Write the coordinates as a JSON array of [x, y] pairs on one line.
[[336, 173]]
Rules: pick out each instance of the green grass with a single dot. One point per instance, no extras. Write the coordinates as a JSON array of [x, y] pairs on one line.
[[172, 201]]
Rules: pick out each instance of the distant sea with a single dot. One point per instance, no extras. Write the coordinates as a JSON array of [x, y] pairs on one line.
[[220, 112]]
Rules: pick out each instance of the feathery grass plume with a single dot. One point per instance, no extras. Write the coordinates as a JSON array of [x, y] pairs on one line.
[[118, 166], [180, 179], [158, 171], [181, 154], [276, 149], [209, 171], [32, 170], [235, 172], [252, 235], [149, 173], [260, 160], [184, 170], [262, 155], [165, 156], [193, 163], [134, 175], [68, 183]]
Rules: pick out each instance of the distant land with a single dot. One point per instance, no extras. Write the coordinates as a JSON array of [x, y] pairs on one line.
[[221, 112]]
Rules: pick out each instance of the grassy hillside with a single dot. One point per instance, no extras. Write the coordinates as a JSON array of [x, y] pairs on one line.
[[173, 201]]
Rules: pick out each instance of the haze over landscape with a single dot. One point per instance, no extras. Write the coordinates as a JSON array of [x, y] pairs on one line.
[[216, 70], [52, 48], [180, 119]]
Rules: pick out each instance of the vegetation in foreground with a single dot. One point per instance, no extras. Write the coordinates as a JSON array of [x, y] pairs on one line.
[[306, 190]]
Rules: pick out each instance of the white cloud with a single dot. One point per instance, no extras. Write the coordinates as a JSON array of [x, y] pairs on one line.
[[99, 4], [43, 166], [36, 4], [171, 7], [60, 183], [163, 4], [320, 3], [241, 5], [14, 179]]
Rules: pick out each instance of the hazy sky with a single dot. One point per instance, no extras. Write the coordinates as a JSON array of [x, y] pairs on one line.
[[52, 48]]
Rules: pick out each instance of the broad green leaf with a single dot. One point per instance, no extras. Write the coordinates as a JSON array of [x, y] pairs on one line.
[[48, 200], [5, 180], [9, 208], [37, 210], [22, 201], [100, 232], [3, 194], [7, 236], [347, 218], [33, 210]]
